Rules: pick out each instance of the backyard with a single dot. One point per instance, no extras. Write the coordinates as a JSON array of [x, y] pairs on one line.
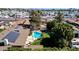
[[38, 41]]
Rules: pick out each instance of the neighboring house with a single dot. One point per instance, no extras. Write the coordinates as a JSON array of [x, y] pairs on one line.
[[47, 18], [7, 19], [6, 22], [75, 40], [2, 27]]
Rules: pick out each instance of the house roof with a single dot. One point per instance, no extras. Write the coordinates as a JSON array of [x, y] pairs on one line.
[[7, 19]]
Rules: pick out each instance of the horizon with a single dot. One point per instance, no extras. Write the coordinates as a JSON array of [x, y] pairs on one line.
[[41, 8]]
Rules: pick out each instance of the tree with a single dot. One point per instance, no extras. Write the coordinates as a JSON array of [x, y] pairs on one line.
[[60, 35], [50, 25], [35, 17], [59, 17], [77, 16]]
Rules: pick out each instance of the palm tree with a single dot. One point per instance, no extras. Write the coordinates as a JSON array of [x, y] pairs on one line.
[[35, 18], [59, 17]]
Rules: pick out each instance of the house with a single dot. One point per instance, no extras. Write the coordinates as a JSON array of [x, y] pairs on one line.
[[7, 19], [75, 40]]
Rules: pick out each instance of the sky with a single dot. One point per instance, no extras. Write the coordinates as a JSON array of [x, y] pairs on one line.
[[39, 3]]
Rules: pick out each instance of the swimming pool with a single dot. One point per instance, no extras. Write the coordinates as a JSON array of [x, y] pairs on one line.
[[37, 34], [12, 36]]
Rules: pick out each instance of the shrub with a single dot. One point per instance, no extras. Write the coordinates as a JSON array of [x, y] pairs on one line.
[[1, 30], [37, 42], [18, 49], [43, 49]]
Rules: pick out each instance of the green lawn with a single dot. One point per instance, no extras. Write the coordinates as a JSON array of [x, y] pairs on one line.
[[46, 35], [37, 42], [43, 49], [1, 30], [18, 49]]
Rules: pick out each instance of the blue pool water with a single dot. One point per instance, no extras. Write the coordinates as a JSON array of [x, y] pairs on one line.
[[37, 35], [12, 36]]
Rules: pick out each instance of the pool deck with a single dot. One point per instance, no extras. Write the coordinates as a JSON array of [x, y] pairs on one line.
[[22, 38]]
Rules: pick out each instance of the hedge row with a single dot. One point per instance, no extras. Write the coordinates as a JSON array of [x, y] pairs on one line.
[[44, 49]]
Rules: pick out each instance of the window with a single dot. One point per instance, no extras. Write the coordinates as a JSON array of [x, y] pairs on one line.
[[76, 35], [2, 44], [76, 43]]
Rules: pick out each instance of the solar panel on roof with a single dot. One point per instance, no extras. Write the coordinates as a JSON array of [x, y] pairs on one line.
[[12, 36]]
